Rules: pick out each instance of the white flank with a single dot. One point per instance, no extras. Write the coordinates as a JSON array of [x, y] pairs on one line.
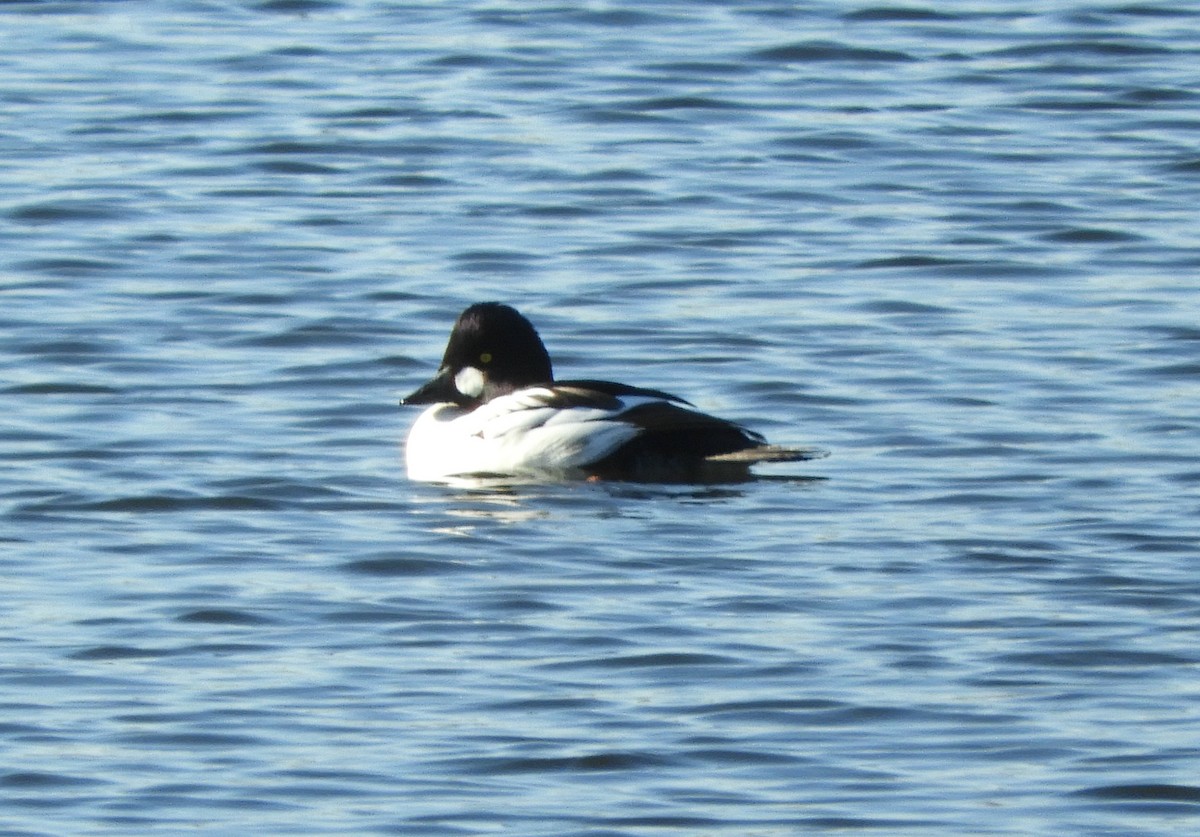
[[513, 434]]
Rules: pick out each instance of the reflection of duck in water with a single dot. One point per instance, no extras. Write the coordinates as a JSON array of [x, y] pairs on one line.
[[497, 411]]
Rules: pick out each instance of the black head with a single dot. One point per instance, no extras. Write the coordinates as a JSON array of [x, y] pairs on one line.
[[493, 350]]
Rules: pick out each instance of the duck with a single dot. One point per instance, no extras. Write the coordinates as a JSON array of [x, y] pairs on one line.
[[497, 411]]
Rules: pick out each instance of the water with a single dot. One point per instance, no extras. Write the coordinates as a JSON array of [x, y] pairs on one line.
[[956, 247]]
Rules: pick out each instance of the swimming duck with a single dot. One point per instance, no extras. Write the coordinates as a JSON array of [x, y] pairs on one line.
[[497, 411]]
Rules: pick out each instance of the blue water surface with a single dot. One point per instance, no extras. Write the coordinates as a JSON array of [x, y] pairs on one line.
[[954, 244]]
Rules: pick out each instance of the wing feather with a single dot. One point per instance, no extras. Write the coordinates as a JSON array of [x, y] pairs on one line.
[[591, 427]]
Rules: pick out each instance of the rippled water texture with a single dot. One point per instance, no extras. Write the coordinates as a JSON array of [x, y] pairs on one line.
[[955, 244]]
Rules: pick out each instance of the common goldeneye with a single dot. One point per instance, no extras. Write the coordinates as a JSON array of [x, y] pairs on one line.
[[497, 411]]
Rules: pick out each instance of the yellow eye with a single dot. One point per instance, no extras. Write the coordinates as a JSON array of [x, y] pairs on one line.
[[486, 357]]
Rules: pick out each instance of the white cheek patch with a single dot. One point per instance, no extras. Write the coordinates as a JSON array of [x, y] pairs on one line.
[[469, 381]]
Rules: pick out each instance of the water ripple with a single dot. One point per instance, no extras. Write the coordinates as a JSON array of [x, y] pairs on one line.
[[954, 246]]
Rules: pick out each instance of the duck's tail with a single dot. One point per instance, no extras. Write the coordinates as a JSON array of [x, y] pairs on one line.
[[767, 453]]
